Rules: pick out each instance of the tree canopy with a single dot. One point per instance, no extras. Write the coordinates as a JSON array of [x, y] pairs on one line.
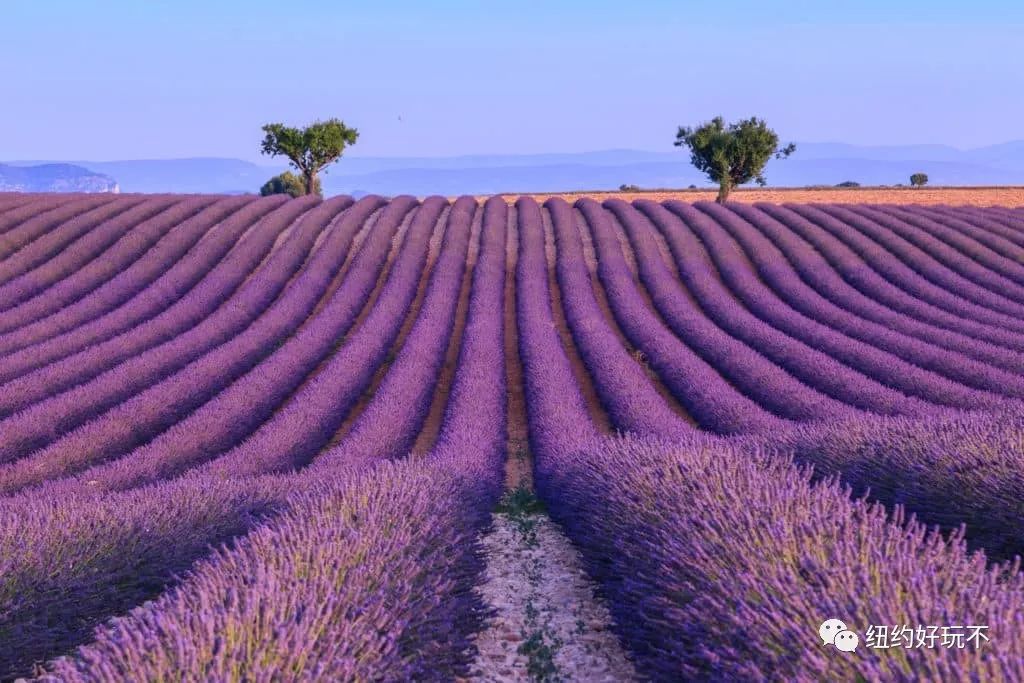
[[919, 179], [732, 155], [309, 149]]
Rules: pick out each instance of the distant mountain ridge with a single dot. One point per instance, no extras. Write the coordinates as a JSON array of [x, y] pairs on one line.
[[814, 163], [179, 175], [54, 178]]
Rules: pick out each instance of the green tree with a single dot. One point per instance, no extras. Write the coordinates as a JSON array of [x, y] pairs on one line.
[[309, 149], [732, 155], [919, 179], [288, 183]]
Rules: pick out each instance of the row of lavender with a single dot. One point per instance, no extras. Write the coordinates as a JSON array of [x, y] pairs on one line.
[[409, 525], [415, 519], [628, 397], [715, 377], [980, 491], [721, 557], [20, 627], [805, 368]]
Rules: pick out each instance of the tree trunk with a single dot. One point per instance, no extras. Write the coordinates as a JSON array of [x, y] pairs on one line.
[[310, 182], [724, 187]]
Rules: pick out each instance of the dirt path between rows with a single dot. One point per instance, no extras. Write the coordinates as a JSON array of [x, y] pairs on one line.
[[590, 258], [549, 626], [518, 460], [586, 383], [547, 623], [433, 249], [431, 428]]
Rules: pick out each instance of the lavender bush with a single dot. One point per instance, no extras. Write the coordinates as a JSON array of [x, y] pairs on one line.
[[22, 227], [908, 307], [968, 235], [627, 395], [891, 233], [767, 385], [918, 278], [114, 280], [999, 228], [402, 535], [955, 251], [74, 260], [162, 294], [949, 469], [297, 431], [39, 424], [199, 485], [885, 367], [390, 423], [177, 320], [819, 274], [775, 269], [817, 368], [721, 563], [238, 409], [158, 407]]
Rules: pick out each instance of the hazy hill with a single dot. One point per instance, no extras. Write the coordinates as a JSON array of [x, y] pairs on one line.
[[180, 175], [54, 178], [813, 164]]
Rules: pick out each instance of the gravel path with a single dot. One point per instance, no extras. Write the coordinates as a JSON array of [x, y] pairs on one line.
[[549, 626]]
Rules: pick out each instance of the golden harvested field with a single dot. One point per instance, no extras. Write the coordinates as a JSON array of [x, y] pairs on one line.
[[952, 196]]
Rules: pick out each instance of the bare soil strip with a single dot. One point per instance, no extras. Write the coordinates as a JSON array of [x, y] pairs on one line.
[[371, 300], [624, 244], [353, 249], [590, 256], [547, 623], [549, 626], [579, 369], [439, 402], [410, 319], [519, 459]]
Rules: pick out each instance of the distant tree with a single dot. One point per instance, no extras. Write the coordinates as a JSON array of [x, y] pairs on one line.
[[732, 155], [288, 183], [629, 188], [919, 179], [693, 187], [309, 149], [848, 183]]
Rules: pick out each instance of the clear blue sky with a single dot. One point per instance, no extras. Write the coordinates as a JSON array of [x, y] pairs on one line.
[[116, 79]]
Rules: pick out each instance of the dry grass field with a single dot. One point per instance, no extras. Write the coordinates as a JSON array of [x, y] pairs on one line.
[[951, 196]]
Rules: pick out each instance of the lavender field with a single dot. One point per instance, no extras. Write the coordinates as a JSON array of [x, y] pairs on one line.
[[262, 439]]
